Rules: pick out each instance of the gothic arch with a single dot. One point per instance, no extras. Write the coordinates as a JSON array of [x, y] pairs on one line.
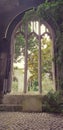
[[50, 24]]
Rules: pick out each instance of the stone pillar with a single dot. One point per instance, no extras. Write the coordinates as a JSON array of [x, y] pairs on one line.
[[3, 62], [2, 74], [1, 98], [59, 59], [54, 67], [26, 59], [39, 61], [1, 89]]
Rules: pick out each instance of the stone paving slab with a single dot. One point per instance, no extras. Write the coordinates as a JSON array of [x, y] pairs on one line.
[[30, 121]]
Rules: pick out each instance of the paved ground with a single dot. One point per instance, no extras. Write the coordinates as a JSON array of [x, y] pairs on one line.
[[30, 121]]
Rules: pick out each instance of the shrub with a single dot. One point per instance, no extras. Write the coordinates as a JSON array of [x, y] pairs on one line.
[[14, 87], [15, 79], [52, 101]]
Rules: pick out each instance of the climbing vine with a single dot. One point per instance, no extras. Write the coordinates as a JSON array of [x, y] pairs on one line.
[[48, 11], [52, 13]]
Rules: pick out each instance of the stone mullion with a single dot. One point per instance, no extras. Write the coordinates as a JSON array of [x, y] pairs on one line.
[[26, 58], [39, 61], [53, 62]]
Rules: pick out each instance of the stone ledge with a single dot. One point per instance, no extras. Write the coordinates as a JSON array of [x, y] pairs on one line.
[[10, 107], [29, 103]]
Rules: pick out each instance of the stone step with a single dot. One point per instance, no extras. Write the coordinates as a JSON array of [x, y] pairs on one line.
[[10, 108]]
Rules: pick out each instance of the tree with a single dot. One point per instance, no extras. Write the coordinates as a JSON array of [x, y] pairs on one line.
[[19, 46], [46, 56], [46, 66]]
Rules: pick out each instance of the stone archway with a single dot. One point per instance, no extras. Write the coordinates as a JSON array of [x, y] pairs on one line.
[[49, 23], [55, 24]]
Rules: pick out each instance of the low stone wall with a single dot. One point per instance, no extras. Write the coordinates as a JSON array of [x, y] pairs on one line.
[[29, 103]]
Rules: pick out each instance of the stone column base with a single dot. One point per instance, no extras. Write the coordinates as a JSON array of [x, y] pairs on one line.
[[1, 98]]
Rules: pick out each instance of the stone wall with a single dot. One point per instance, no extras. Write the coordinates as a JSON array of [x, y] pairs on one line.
[[29, 103]]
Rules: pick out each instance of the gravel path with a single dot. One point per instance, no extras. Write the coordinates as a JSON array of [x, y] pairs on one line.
[[30, 121]]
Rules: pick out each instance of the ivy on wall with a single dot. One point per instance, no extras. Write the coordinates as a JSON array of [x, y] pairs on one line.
[[51, 12], [47, 11], [55, 11]]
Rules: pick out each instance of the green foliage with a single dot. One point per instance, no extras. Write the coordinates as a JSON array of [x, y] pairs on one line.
[[44, 11], [14, 86], [33, 64], [52, 101], [29, 16], [46, 59], [19, 45], [35, 85], [47, 56], [50, 9], [47, 84]]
